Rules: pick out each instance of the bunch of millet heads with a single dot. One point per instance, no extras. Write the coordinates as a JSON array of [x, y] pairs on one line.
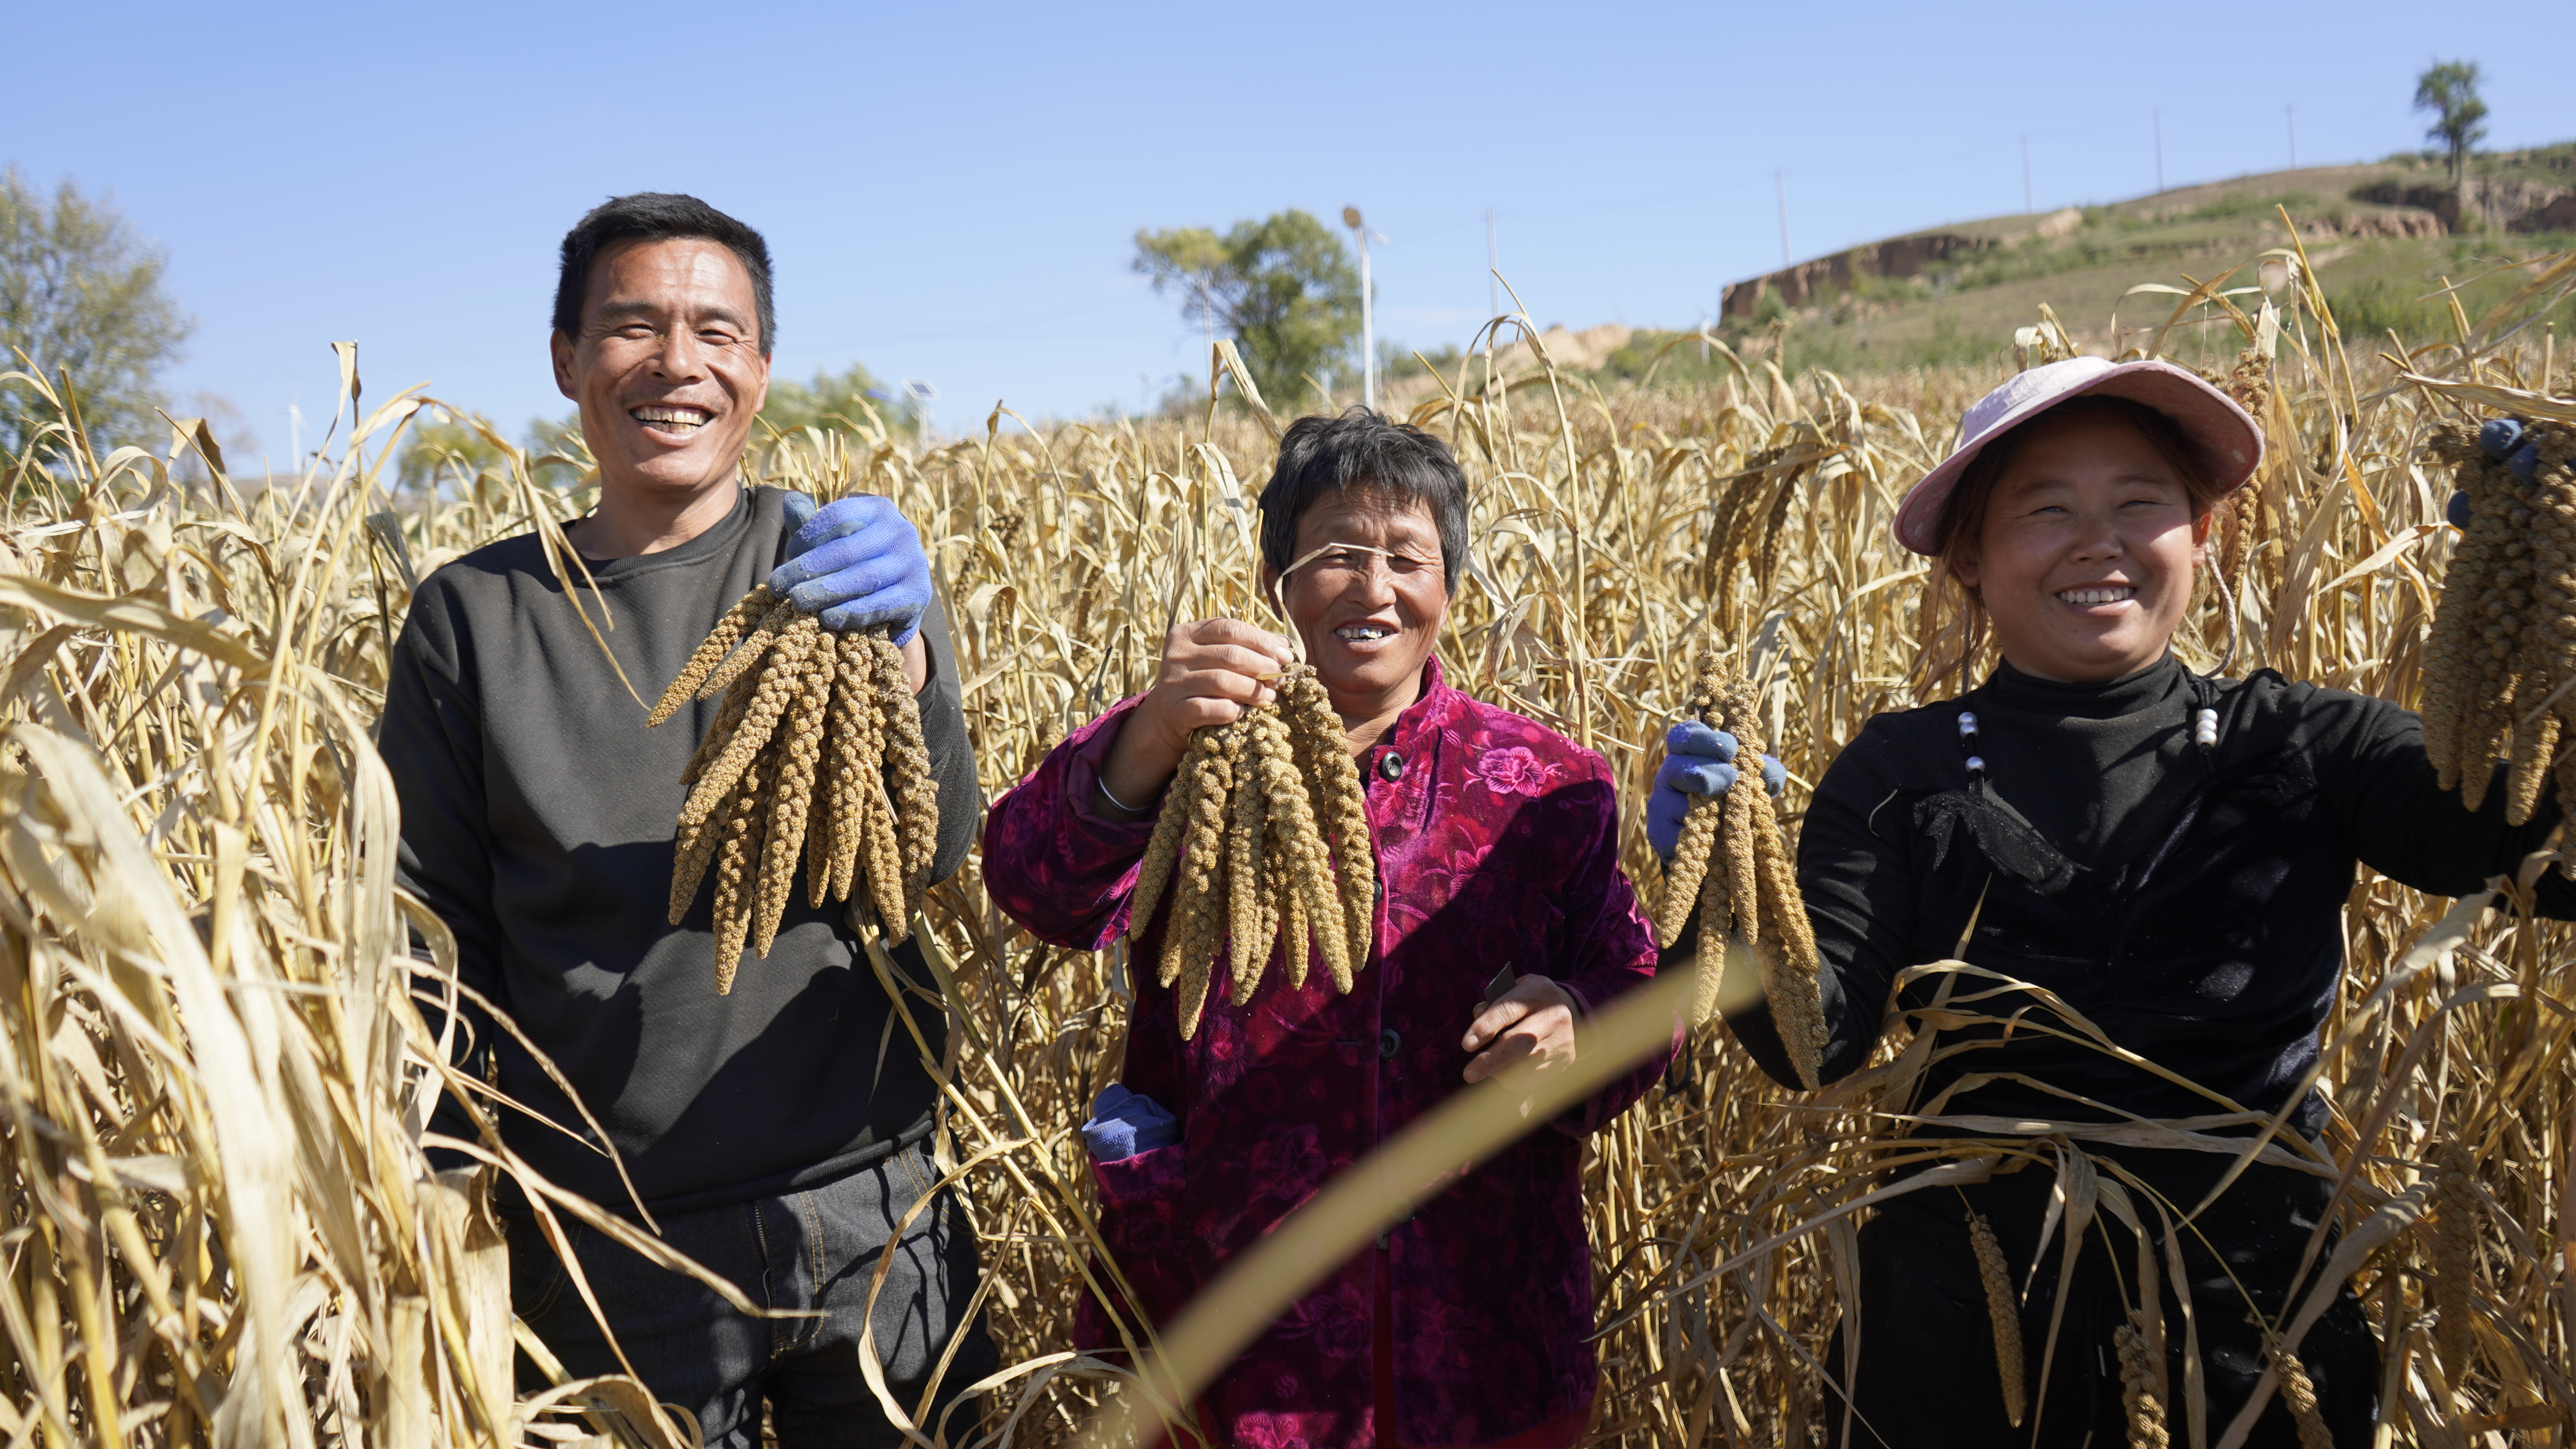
[[1733, 867], [1263, 842], [806, 713], [2500, 667]]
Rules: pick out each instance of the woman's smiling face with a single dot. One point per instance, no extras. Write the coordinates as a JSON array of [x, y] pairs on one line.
[[2084, 560], [1368, 610]]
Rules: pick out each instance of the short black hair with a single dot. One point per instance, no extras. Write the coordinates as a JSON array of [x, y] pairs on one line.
[[1361, 449], [657, 216]]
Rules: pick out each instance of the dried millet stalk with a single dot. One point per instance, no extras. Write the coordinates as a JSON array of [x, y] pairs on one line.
[[1304, 857], [1189, 950], [2503, 643], [2004, 1312], [1733, 864], [737, 857], [881, 849], [1341, 808], [745, 652], [792, 770], [1162, 850], [695, 843], [2138, 1387], [857, 783], [779, 676], [2298, 1391], [2463, 583], [2239, 514], [799, 744], [1202, 834], [1263, 836], [1247, 849], [752, 608], [916, 792], [2455, 1259]]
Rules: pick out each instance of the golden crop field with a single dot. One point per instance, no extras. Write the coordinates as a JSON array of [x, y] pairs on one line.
[[219, 1227]]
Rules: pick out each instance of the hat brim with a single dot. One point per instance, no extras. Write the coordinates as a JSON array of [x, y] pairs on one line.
[[2227, 439]]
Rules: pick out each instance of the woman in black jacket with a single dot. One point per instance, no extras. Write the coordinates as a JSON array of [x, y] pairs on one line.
[[2167, 853]]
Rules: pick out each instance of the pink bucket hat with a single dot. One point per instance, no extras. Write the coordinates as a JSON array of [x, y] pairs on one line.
[[2228, 441]]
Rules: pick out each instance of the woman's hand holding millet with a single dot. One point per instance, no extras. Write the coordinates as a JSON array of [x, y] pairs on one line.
[[1212, 672]]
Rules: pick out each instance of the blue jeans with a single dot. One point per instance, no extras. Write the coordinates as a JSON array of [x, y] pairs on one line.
[[810, 1251]]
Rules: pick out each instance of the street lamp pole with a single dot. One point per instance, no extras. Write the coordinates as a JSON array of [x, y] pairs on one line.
[[1368, 307], [1493, 270], [922, 395]]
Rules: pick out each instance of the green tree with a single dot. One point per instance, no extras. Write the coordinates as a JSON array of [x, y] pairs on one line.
[[79, 293], [2450, 89], [446, 452], [1285, 289], [832, 400]]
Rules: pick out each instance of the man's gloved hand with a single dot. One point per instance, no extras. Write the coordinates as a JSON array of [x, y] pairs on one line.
[[2510, 443], [1698, 760], [857, 563]]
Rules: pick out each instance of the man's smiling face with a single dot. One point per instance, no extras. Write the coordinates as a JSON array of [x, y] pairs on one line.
[[670, 367]]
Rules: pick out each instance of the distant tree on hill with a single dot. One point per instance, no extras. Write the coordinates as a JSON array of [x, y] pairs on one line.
[[1285, 289], [832, 400], [446, 453], [2450, 90], [80, 294]]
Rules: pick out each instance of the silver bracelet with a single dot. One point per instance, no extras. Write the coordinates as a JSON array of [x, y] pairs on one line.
[[1103, 782]]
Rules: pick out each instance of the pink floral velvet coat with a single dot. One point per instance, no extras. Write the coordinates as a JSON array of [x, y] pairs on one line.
[[1497, 842]]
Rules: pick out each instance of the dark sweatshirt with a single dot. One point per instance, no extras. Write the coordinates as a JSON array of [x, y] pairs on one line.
[[2185, 900], [537, 821]]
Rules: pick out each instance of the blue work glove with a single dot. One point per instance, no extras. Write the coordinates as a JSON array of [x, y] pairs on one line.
[[1698, 760], [1124, 1123], [857, 563], [2509, 443]]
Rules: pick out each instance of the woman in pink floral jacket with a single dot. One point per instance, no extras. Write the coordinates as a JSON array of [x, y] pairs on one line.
[[1496, 842]]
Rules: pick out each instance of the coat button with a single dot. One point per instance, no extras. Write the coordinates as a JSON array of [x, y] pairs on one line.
[[1390, 767], [1388, 1041]]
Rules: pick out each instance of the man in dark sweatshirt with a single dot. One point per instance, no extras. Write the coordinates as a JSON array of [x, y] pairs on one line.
[[778, 1134]]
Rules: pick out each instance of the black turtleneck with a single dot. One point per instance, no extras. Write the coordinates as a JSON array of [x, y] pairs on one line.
[[2186, 900]]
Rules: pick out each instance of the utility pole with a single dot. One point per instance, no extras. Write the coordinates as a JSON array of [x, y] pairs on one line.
[[2160, 151], [1206, 308], [1493, 269], [1368, 308], [922, 395], [1780, 179], [2291, 113], [2029, 207]]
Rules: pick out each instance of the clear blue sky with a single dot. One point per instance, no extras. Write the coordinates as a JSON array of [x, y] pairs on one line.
[[951, 192]]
